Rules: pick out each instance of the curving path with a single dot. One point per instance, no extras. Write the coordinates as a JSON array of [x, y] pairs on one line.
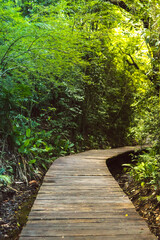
[[80, 200]]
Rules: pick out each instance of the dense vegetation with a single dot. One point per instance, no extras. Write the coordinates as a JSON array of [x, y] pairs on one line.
[[77, 75]]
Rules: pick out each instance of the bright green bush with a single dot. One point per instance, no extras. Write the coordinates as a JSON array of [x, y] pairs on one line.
[[146, 169]]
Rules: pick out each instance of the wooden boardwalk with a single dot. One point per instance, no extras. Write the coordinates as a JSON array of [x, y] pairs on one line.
[[80, 200]]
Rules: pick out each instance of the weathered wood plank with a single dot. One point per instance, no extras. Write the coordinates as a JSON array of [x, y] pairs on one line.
[[100, 237], [80, 200]]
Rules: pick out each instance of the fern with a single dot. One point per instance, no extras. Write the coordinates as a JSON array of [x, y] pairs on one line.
[[5, 179]]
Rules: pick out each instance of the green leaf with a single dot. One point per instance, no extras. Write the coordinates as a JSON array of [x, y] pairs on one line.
[[44, 166], [127, 165], [158, 198], [71, 145], [6, 179], [32, 161], [142, 184], [34, 149], [28, 132], [2, 170], [26, 142]]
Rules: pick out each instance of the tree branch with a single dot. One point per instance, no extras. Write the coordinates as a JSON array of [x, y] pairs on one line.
[[120, 4], [124, 6], [133, 62], [9, 48]]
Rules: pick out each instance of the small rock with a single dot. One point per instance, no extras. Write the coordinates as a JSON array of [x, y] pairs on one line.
[[6, 236], [5, 225]]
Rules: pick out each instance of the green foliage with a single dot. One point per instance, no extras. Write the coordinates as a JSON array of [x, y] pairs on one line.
[[146, 169], [158, 198], [4, 179], [76, 75], [62, 146]]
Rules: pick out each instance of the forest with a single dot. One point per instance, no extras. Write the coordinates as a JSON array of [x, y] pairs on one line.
[[78, 75]]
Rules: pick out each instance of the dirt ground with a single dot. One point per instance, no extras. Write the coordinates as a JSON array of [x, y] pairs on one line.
[[15, 207]]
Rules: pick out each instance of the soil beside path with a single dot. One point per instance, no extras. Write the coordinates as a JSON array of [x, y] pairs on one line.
[[14, 209]]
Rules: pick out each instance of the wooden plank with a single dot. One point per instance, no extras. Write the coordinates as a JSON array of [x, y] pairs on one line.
[[50, 232], [100, 237], [80, 200]]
